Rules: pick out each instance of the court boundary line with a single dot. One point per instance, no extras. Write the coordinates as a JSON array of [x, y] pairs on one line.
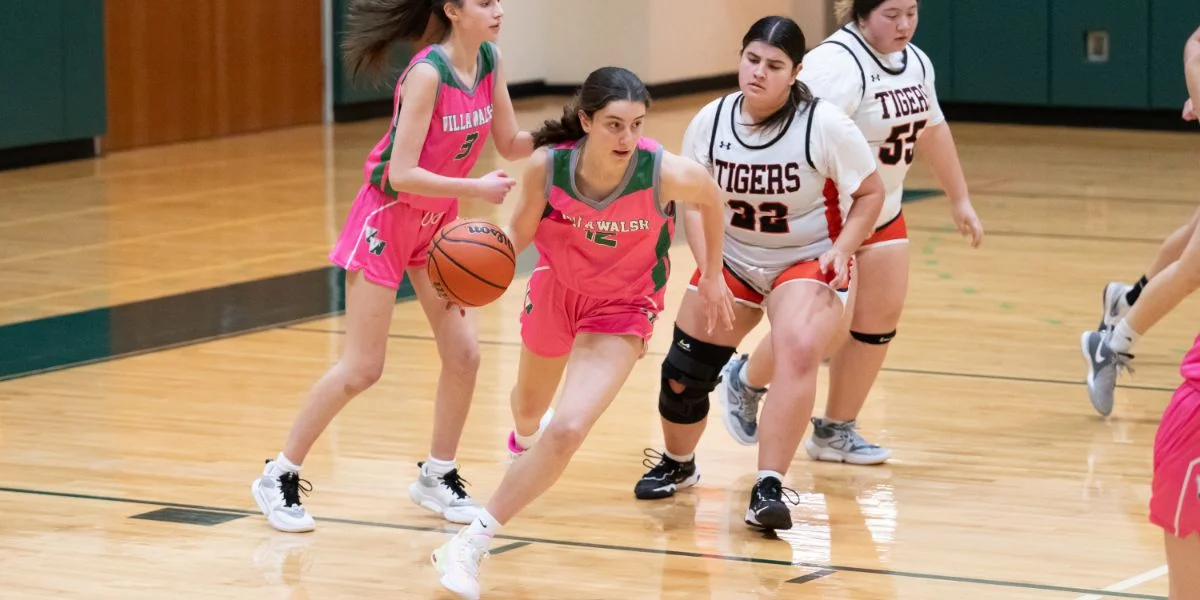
[[449, 530], [429, 338]]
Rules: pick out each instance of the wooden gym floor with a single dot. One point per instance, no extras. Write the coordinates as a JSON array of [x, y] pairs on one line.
[[163, 311]]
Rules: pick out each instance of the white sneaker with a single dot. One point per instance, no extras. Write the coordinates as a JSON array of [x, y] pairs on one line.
[[277, 493], [1115, 305], [445, 495], [514, 449], [457, 561]]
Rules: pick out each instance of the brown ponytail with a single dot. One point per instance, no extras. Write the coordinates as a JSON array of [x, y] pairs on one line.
[[373, 26]]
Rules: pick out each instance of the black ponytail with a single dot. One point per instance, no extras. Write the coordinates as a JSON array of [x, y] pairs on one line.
[[602, 86], [373, 26], [785, 34]]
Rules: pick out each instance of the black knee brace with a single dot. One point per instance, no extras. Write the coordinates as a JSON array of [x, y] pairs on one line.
[[875, 339], [697, 366]]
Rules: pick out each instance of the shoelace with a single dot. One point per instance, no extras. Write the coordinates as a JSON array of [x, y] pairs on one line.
[[772, 489], [456, 483], [660, 465], [290, 485], [849, 432]]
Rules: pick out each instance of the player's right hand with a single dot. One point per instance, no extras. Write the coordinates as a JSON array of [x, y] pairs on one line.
[[494, 186], [1189, 111]]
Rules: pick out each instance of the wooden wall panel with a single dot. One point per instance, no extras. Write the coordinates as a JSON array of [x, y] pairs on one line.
[[182, 70]]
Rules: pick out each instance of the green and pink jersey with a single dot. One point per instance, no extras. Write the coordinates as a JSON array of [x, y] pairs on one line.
[[461, 121], [612, 247]]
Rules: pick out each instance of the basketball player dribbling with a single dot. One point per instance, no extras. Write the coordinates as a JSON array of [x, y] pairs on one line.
[[1175, 491], [598, 202], [870, 70], [448, 99], [801, 192]]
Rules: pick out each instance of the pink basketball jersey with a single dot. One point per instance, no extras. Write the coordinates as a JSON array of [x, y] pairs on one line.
[[1189, 368], [614, 247], [461, 121]]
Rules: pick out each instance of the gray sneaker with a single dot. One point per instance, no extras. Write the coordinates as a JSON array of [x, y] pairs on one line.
[[1103, 367], [739, 402], [841, 442]]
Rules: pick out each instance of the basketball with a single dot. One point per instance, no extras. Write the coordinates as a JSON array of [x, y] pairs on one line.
[[471, 262]]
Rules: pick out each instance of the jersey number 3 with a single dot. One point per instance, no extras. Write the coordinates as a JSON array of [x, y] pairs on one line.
[[772, 220], [467, 145], [899, 145]]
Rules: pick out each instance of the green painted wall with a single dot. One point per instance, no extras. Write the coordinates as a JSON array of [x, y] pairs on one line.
[[51, 72], [1119, 82]]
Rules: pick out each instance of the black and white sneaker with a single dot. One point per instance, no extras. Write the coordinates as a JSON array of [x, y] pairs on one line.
[[666, 477], [767, 509]]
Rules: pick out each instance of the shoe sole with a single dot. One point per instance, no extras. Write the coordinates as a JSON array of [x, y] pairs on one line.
[[420, 499], [830, 455], [1091, 376], [264, 508], [683, 485], [770, 520]]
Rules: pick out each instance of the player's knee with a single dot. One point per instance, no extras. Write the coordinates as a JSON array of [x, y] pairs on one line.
[[691, 370], [565, 435], [873, 339], [461, 360], [361, 374]]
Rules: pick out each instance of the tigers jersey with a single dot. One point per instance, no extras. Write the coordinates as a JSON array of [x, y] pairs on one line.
[[780, 187], [891, 99]]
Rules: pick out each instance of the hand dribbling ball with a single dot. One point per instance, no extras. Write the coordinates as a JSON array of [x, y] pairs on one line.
[[471, 262]]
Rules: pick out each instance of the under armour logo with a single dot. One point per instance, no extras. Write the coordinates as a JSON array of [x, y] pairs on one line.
[[876, 77], [431, 218], [725, 145]]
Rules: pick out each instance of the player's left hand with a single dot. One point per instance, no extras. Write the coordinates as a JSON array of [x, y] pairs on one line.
[[839, 261], [717, 300], [967, 222]]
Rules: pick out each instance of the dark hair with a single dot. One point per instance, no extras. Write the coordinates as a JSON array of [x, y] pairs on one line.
[[785, 34], [372, 26], [602, 86], [856, 10]]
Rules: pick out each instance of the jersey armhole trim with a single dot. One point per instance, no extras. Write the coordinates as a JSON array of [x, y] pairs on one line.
[[862, 73], [924, 71], [812, 111], [656, 181], [712, 138], [437, 93], [549, 173]]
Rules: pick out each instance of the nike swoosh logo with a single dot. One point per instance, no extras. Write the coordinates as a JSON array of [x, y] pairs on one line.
[[1100, 352]]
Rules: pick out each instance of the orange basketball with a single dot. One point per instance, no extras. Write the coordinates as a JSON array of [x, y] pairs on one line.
[[471, 262]]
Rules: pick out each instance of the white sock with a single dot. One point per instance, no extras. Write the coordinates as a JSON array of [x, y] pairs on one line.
[[764, 474], [437, 467], [680, 458], [484, 524], [527, 441], [1122, 338], [286, 465]]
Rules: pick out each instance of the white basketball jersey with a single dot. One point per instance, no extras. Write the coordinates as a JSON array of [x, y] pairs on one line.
[[780, 187], [890, 97]]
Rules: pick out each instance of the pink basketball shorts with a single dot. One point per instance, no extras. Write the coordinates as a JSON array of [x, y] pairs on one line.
[[383, 236], [1175, 493], [554, 314]]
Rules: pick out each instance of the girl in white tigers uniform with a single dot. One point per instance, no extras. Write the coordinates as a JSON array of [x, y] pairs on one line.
[[870, 70], [801, 193]]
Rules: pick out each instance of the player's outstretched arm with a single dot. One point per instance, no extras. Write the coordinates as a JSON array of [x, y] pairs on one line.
[[685, 181], [528, 212], [511, 142], [937, 145]]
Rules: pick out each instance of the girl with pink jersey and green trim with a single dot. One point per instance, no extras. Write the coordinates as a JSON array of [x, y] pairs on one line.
[[449, 98], [599, 204]]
